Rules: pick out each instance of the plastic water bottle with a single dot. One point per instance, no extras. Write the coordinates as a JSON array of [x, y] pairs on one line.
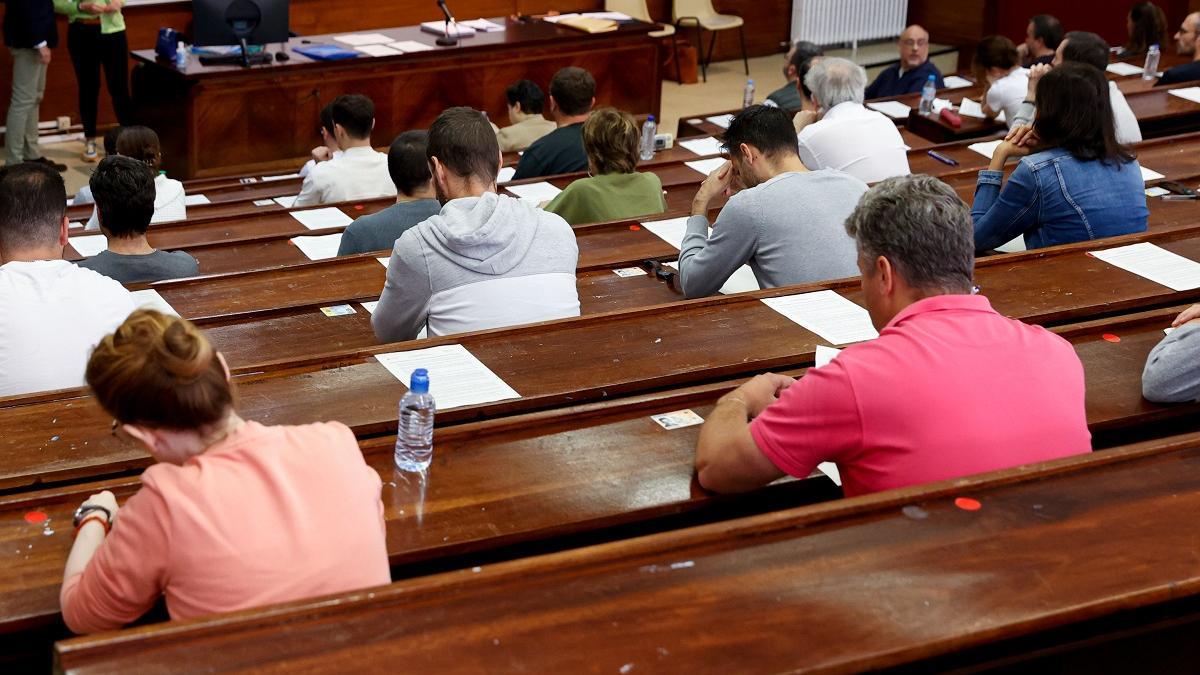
[[748, 94], [414, 438], [1150, 71], [928, 94], [649, 129], [181, 56]]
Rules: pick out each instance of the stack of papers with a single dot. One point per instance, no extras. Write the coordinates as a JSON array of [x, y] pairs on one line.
[[1154, 263], [88, 246], [611, 16], [1124, 69], [706, 166], [1190, 93], [271, 179], [702, 146], [439, 28], [986, 148], [483, 25], [320, 247], [894, 109], [956, 82], [456, 377], [534, 193], [827, 314], [721, 120], [361, 39], [320, 219]]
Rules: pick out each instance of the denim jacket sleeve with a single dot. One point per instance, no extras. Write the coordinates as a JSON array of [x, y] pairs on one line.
[[1001, 214]]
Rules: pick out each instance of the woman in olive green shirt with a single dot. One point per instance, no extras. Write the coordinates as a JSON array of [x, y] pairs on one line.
[[95, 40], [613, 191]]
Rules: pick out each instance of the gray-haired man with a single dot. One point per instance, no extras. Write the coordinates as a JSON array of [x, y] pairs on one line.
[[846, 135], [950, 387]]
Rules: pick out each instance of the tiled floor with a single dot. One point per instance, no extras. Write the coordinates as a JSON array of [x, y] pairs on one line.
[[723, 91]]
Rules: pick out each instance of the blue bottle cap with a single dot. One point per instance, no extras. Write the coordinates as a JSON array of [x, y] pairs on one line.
[[650, 118], [933, 78], [419, 384]]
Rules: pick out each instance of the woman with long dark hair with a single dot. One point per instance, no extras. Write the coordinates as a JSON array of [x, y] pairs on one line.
[[1074, 181], [1147, 25]]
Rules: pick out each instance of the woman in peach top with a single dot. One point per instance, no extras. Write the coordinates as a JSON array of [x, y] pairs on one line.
[[234, 514]]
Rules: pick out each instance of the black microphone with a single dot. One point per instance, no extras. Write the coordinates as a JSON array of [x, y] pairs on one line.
[[447, 40]]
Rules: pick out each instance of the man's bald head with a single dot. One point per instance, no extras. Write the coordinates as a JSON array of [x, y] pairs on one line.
[[1188, 35], [914, 47]]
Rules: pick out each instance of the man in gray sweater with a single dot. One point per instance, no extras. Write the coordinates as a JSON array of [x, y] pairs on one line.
[[784, 220], [1172, 373], [486, 260]]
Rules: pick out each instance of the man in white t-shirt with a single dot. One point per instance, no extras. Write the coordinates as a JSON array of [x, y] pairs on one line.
[[53, 312], [360, 172], [846, 135], [1091, 49]]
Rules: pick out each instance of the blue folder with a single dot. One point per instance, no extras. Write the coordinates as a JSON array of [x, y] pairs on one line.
[[326, 52]]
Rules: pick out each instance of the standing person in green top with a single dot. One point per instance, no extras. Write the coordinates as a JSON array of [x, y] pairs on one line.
[[614, 190], [95, 40]]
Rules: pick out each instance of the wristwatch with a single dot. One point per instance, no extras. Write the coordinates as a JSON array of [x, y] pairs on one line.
[[85, 509]]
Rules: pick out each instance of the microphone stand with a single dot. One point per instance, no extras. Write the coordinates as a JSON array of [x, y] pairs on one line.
[[447, 40]]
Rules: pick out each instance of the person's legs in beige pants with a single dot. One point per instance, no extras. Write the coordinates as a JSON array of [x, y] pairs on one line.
[[28, 86]]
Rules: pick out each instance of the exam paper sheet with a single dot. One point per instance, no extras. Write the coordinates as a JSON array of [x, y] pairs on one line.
[[320, 247], [956, 82], [829, 315], [456, 377], [1154, 263], [702, 146], [893, 109], [88, 246], [721, 120], [150, 299], [706, 166], [1124, 69], [534, 193], [319, 219]]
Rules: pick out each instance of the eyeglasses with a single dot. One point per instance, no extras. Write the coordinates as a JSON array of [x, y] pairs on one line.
[[914, 43]]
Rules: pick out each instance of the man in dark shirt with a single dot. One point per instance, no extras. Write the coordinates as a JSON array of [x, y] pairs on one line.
[[1187, 43], [415, 199], [572, 95], [788, 97], [124, 191], [1042, 36], [30, 32], [912, 72]]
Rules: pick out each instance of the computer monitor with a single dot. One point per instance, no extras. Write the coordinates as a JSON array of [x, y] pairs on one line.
[[228, 22]]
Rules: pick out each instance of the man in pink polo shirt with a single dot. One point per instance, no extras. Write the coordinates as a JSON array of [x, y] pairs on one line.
[[950, 387]]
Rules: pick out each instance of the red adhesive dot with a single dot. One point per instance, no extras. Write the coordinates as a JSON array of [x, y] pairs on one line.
[[1109, 337], [634, 228], [967, 504], [36, 517], [358, 207]]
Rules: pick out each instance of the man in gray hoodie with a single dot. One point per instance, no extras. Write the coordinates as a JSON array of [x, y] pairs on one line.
[[487, 260], [1172, 373]]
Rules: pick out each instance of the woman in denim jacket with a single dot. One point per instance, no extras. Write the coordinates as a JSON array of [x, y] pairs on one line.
[[1074, 181]]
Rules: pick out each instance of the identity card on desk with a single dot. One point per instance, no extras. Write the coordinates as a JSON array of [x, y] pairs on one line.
[[827, 314], [456, 377]]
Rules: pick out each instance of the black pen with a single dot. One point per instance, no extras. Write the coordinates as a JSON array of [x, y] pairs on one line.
[[942, 158]]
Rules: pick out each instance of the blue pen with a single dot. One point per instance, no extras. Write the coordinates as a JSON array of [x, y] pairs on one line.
[[942, 158]]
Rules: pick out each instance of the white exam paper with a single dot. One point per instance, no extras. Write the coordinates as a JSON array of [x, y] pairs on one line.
[[321, 247], [506, 174], [706, 166], [971, 108], [383, 261], [369, 306], [483, 25], [411, 46], [825, 355], [378, 50], [702, 146], [893, 109], [830, 469], [150, 299], [670, 230], [986, 148], [195, 200], [534, 193], [286, 202], [1124, 69], [456, 377], [1190, 93], [272, 179], [829, 315], [1154, 263], [88, 246], [721, 120], [361, 39], [956, 82], [319, 219], [1150, 174]]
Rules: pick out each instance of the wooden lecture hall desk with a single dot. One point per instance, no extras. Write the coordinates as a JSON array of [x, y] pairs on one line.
[[227, 119]]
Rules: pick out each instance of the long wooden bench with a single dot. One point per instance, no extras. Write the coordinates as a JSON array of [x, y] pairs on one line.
[[913, 577], [64, 436], [521, 483]]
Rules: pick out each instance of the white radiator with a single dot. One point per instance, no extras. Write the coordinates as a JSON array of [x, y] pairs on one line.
[[828, 22]]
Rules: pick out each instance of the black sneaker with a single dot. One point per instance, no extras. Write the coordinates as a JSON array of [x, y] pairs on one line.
[[49, 162]]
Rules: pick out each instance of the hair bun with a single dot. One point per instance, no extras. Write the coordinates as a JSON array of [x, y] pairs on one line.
[[183, 352]]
